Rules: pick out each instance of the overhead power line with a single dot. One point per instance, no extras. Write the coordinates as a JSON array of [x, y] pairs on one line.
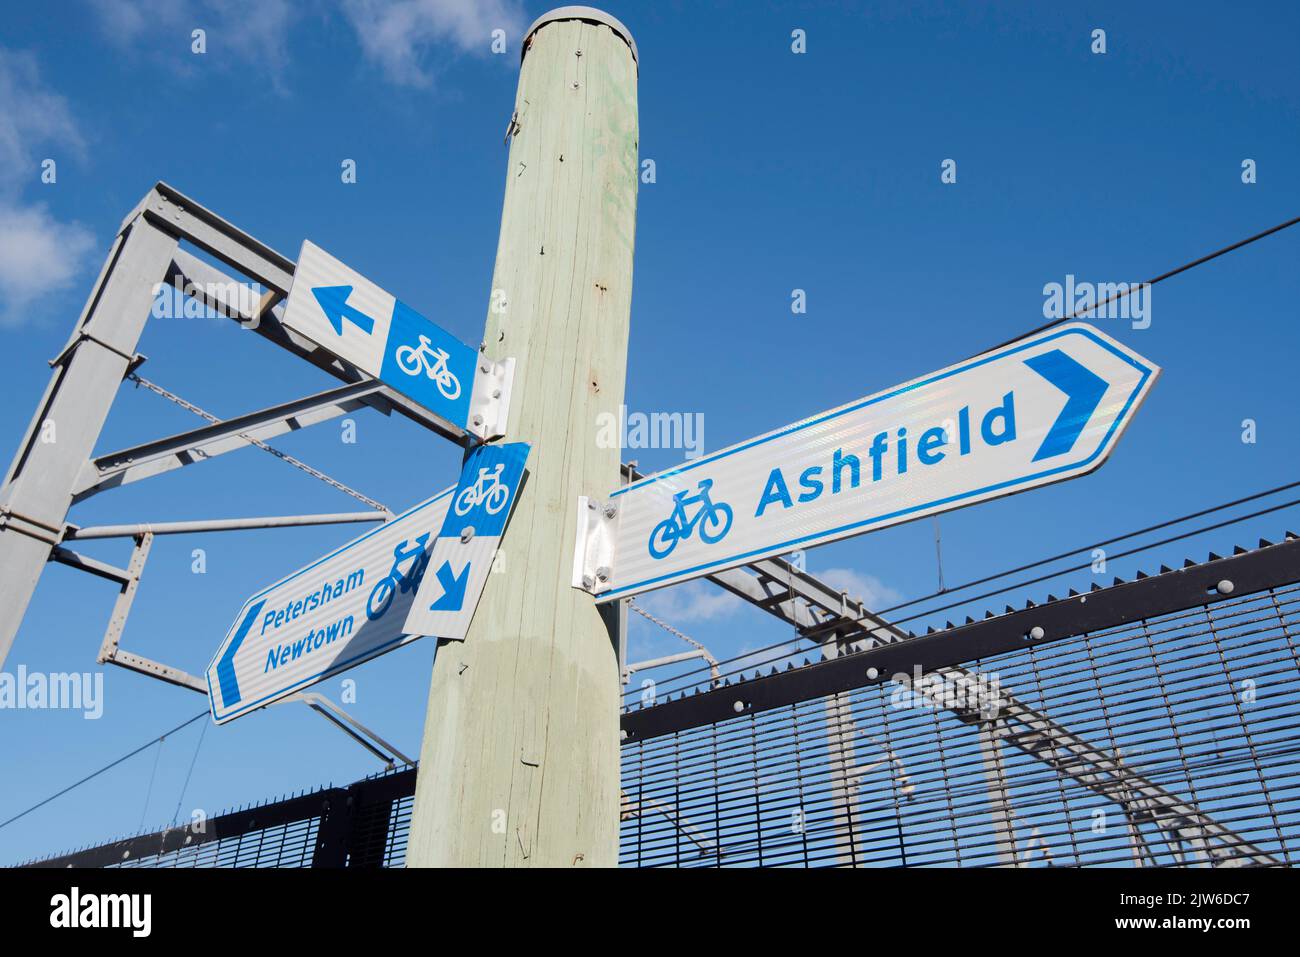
[[1151, 282]]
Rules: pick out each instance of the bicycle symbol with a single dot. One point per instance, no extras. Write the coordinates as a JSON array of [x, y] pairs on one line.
[[488, 489], [433, 362], [381, 596], [714, 520]]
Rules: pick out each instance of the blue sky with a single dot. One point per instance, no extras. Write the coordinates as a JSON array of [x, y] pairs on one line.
[[774, 172]]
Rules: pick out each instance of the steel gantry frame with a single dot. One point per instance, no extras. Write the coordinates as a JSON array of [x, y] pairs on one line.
[[55, 466]]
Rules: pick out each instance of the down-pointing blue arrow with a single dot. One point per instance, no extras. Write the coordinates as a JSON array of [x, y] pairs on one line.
[[226, 666], [453, 588], [1083, 389], [334, 302]]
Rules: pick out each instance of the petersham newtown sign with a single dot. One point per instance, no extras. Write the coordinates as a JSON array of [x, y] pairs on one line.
[[339, 611]]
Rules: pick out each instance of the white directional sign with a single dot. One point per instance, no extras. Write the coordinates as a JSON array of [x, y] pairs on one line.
[[334, 614], [339, 309], [1038, 411], [466, 548]]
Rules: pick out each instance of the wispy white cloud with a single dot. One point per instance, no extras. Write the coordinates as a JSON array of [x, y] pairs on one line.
[[30, 115], [397, 35], [869, 589], [690, 603], [401, 37], [250, 32], [126, 21], [38, 253]]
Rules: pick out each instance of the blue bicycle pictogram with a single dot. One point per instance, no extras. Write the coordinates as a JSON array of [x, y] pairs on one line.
[[713, 518], [381, 596], [432, 361]]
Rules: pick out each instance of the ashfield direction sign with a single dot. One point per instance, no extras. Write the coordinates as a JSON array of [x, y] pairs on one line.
[[334, 614], [339, 309], [1041, 410], [465, 552]]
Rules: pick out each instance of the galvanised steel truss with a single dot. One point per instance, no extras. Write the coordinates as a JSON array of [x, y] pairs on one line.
[[47, 477]]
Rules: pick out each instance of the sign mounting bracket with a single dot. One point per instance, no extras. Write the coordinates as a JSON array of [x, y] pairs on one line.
[[594, 554]]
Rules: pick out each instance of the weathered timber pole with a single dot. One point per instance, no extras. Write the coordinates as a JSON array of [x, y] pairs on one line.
[[519, 763]]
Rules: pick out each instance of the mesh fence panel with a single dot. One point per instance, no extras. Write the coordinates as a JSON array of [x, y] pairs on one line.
[[1165, 741]]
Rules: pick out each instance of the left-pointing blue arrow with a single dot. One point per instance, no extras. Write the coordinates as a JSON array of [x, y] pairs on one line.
[[453, 588], [334, 302], [1083, 389], [226, 666]]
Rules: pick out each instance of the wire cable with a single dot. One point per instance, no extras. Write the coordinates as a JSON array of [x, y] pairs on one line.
[[1151, 282], [781, 649], [1088, 548], [188, 774], [282, 456], [94, 774], [153, 776]]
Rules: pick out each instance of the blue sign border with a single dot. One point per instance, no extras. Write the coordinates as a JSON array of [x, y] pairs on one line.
[[1146, 371]]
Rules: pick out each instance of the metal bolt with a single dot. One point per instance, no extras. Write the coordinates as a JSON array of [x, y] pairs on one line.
[[872, 674], [603, 573], [1225, 587], [496, 393], [478, 420], [588, 582], [1036, 633], [610, 511], [485, 367], [622, 735], [591, 504], [738, 707], [466, 533]]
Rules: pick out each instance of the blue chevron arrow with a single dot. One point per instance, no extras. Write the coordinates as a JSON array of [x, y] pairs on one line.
[[453, 588], [230, 693], [1083, 389], [334, 302]]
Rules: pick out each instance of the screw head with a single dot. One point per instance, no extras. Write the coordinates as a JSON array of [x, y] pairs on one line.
[[602, 573], [478, 420], [466, 533], [872, 674], [1225, 587], [1037, 633], [738, 707], [610, 511]]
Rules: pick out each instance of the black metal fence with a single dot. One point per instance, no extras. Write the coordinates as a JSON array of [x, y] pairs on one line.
[[363, 825], [1152, 723]]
